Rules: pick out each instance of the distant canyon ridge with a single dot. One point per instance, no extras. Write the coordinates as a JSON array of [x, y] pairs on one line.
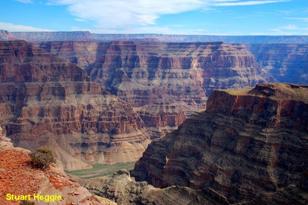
[[103, 97]]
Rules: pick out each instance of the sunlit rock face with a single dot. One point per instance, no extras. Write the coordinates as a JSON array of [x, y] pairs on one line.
[[45, 101], [249, 146], [156, 77]]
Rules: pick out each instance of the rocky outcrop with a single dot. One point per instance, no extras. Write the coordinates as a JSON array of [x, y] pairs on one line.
[[283, 62], [163, 117], [124, 190], [18, 177], [155, 77], [250, 146], [46, 101]]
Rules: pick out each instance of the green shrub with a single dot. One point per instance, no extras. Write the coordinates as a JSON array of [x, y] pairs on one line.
[[42, 158], [26, 203]]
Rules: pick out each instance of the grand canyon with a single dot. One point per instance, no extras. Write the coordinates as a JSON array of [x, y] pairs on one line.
[[176, 119]]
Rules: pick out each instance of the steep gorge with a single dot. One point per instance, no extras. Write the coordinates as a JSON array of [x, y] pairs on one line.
[[283, 62], [45, 101], [164, 82]]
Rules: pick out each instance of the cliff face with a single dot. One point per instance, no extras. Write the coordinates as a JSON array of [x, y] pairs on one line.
[[46, 101], [155, 76], [118, 61], [283, 62], [249, 146]]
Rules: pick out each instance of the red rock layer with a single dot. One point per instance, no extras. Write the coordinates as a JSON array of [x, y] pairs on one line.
[[18, 177]]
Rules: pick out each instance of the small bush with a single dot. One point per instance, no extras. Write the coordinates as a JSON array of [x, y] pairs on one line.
[[26, 203], [42, 158]]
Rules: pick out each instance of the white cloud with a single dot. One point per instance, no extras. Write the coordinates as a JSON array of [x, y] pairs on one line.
[[153, 29], [290, 29], [115, 13], [136, 14], [16, 27], [25, 1], [244, 3], [300, 18]]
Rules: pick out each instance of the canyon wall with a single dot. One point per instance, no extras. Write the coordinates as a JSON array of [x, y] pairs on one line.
[[45, 101], [250, 147], [283, 62], [164, 82]]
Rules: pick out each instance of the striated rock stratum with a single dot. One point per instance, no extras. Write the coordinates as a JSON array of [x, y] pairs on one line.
[[249, 147], [45, 101], [283, 62], [164, 82]]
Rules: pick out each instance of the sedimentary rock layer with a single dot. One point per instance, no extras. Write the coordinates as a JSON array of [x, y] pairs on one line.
[[283, 62], [155, 76], [249, 146], [120, 61], [46, 101]]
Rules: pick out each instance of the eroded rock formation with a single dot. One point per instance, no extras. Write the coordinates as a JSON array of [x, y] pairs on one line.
[[45, 101], [124, 190], [155, 77], [250, 146], [283, 62]]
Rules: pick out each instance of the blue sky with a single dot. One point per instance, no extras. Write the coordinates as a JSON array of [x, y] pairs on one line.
[[222, 17]]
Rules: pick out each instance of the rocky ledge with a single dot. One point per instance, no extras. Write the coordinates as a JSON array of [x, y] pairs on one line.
[[18, 177], [124, 190]]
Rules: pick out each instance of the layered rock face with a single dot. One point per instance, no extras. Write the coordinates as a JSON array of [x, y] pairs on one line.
[[250, 146], [45, 101], [283, 62], [138, 61], [156, 77]]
